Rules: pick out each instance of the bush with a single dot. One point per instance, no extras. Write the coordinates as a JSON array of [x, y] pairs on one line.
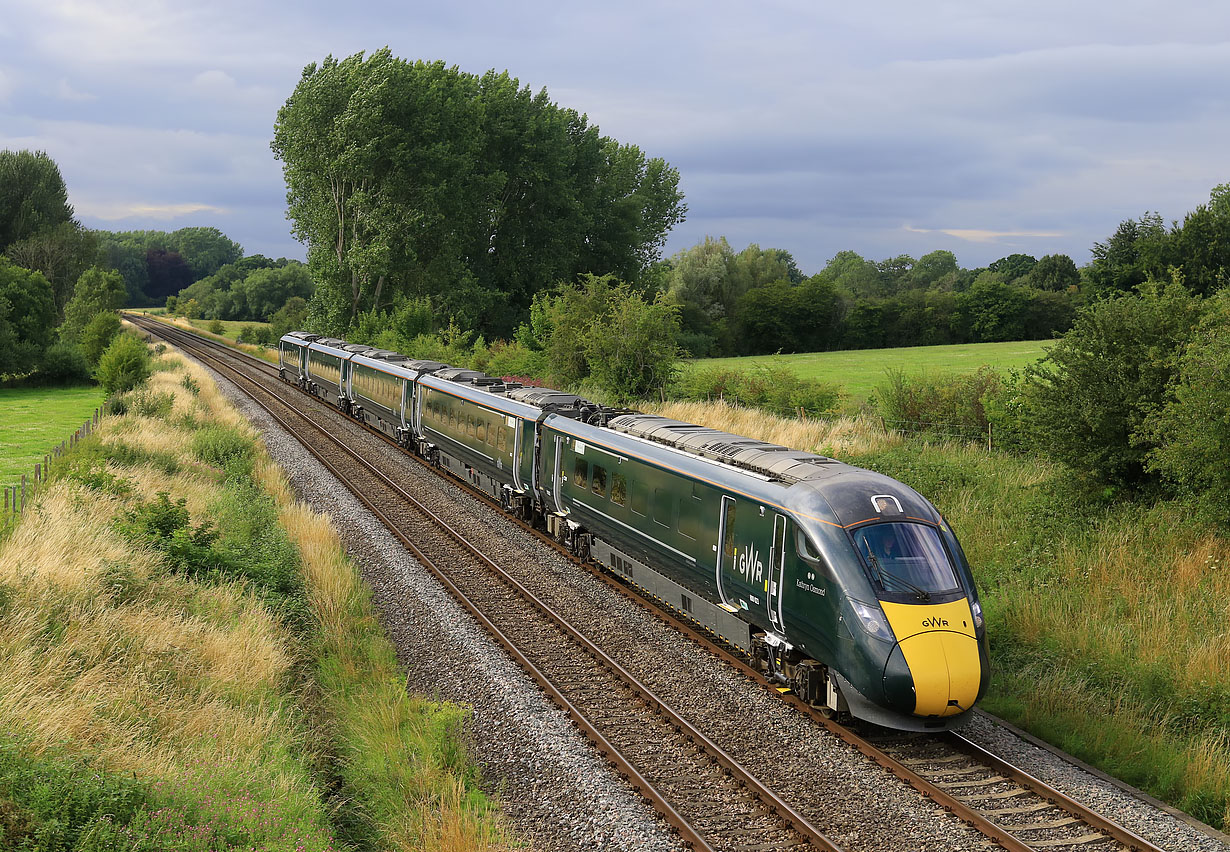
[[98, 334], [64, 363], [771, 388], [224, 448], [262, 335], [164, 526], [149, 404], [1086, 401], [124, 365], [944, 405], [1191, 433], [215, 327]]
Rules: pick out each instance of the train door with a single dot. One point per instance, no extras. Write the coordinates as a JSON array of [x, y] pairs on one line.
[[777, 571], [725, 548], [557, 473]]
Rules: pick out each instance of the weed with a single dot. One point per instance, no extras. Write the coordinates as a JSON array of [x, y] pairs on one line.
[[224, 448], [191, 385], [146, 403]]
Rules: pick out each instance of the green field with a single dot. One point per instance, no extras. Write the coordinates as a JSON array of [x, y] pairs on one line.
[[858, 371], [33, 420]]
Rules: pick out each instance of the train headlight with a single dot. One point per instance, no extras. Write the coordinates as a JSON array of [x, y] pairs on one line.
[[976, 609], [872, 619]]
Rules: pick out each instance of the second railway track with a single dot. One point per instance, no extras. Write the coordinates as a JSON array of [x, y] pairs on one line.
[[1009, 807]]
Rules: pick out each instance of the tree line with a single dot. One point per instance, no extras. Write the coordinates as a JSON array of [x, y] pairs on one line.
[[61, 283]]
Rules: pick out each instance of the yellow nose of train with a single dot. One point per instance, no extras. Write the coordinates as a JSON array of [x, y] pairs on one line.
[[940, 649]]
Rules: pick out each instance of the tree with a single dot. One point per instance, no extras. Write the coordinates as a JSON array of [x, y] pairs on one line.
[[848, 271], [29, 317], [932, 268], [412, 180], [264, 291], [1013, 266], [96, 291], [168, 274], [61, 252], [98, 334], [1134, 253], [1054, 272], [1087, 400], [33, 196], [204, 250], [289, 317], [1190, 434], [604, 329], [992, 310]]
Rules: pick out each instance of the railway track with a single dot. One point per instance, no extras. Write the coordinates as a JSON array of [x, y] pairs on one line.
[[705, 794], [1012, 809]]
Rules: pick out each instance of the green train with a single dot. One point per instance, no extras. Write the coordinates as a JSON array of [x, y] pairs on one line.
[[841, 584]]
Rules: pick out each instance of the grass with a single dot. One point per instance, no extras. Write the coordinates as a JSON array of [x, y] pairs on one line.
[[230, 333], [182, 634], [230, 328], [858, 371], [37, 419]]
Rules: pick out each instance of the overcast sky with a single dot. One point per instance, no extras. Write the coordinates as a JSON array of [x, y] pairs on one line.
[[984, 127]]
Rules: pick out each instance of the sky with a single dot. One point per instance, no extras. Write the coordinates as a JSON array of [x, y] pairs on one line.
[[983, 127]]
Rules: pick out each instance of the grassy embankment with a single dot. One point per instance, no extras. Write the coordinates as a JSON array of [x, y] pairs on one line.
[[230, 333], [1107, 618], [169, 683], [858, 371], [33, 420]]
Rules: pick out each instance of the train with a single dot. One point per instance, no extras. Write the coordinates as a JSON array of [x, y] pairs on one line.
[[840, 584]]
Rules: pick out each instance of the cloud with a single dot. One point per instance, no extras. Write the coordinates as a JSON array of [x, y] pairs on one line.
[[980, 235], [6, 86], [111, 212], [67, 93]]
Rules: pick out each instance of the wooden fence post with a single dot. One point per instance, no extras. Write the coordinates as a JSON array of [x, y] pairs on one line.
[[23, 493], [989, 437]]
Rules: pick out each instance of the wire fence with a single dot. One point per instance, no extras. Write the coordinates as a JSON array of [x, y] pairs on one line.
[[20, 496]]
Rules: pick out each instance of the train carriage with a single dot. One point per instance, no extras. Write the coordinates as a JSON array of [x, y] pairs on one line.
[[292, 356], [843, 584], [471, 428], [379, 389]]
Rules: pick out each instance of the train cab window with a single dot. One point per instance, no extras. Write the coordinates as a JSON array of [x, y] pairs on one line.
[[580, 473], [640, 498], [598, 484], [663, 507], [906, 558], [619, 490]]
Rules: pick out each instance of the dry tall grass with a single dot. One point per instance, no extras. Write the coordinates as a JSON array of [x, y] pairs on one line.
[[837, 437]]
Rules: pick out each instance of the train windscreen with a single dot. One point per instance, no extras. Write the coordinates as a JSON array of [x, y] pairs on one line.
[[906, 557]]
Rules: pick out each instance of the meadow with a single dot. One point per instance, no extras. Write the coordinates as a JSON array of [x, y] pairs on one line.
[[33, 420], [230, 328], [192, 661], [858, 371]]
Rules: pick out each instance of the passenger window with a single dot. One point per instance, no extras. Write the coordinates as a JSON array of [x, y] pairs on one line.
[[689, 517], [452, 418], [619, 490], [481, 431], [580, 473], [599, 482], [501, 439], [640, 498], [663, 507], [728, 540]]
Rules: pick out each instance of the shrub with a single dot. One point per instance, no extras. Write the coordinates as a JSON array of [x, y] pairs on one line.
[[769, 387], [224, 448], [1191, 433], [215, 327], [1087, 399], [164, 526], [944, 404], [149, 404], [64, 363], [98, 334], [124, 365], [261, 335]]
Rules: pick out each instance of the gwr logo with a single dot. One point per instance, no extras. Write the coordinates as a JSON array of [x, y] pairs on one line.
[[935, 621]]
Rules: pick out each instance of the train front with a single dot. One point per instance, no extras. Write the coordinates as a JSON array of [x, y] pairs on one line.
[[908, 646]]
